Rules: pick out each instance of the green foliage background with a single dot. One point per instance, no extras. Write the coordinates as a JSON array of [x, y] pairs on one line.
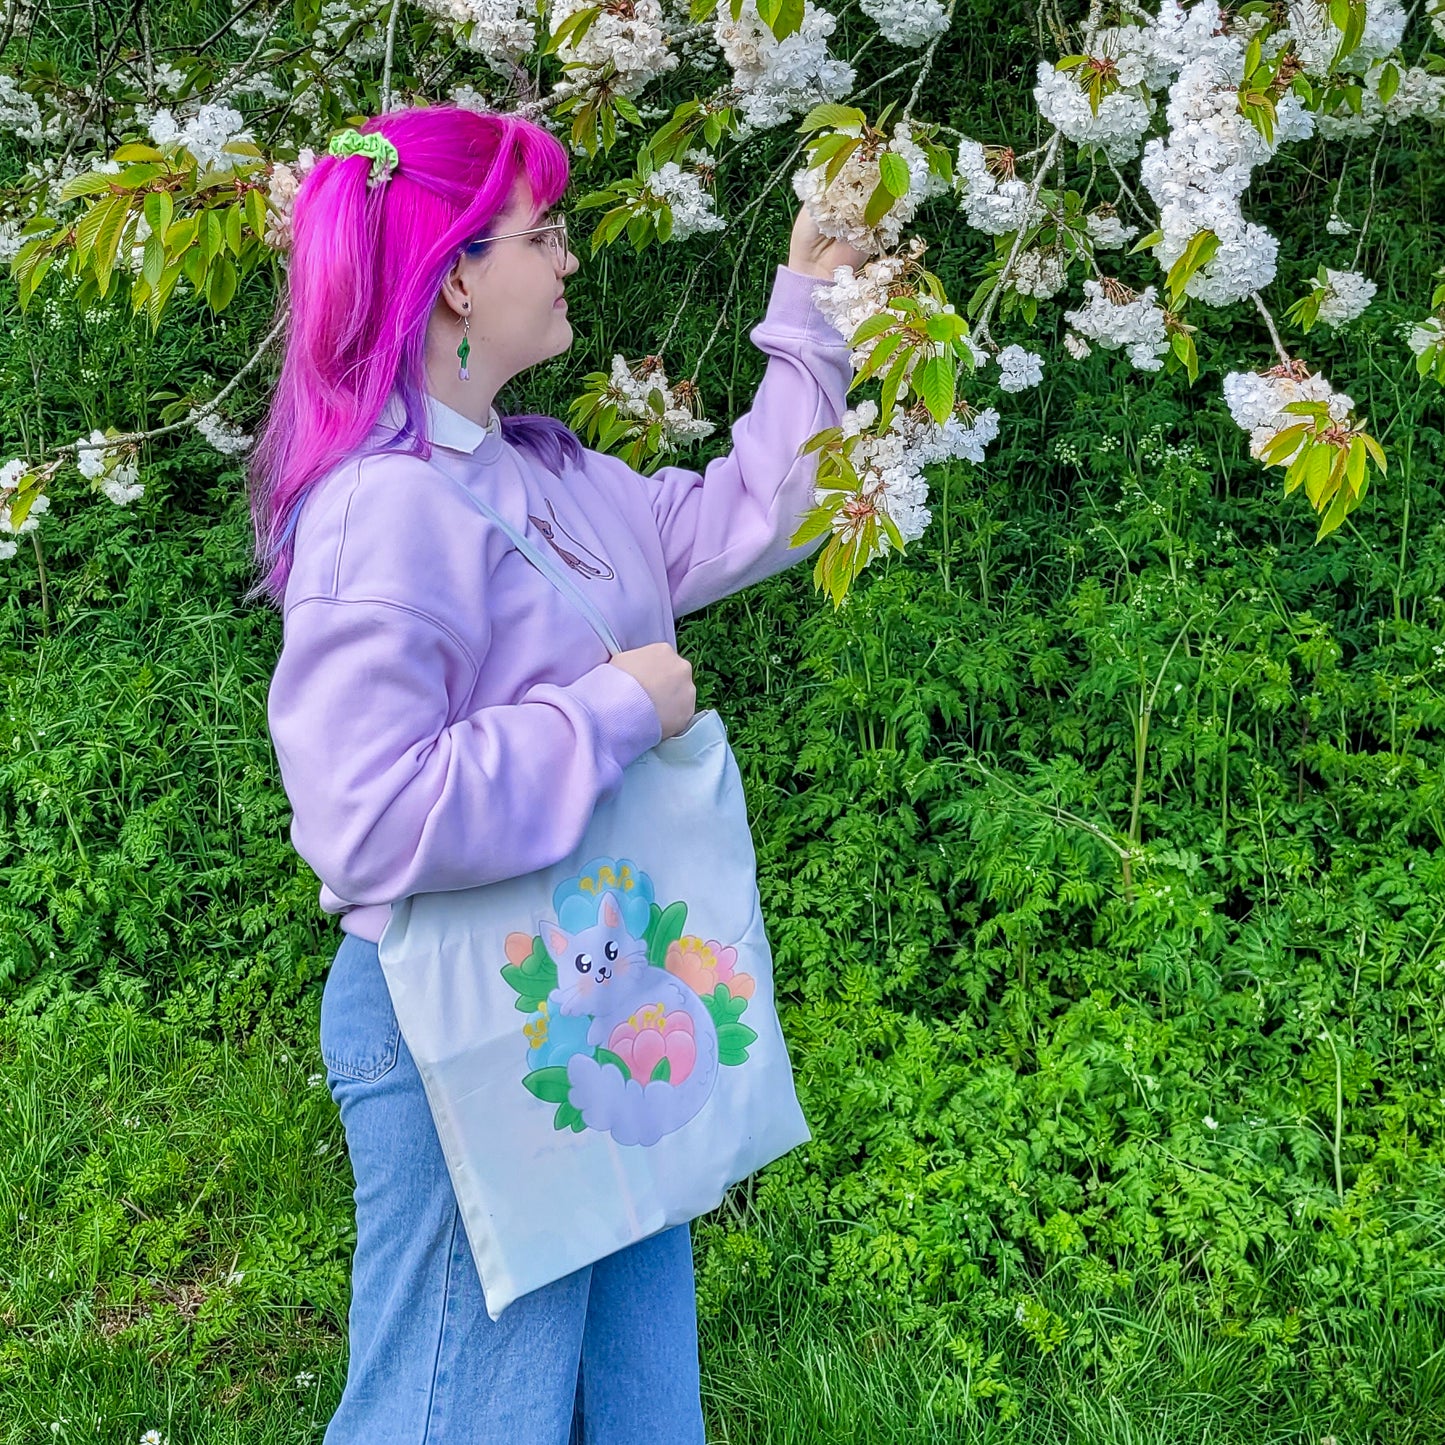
[[1096, 1158]]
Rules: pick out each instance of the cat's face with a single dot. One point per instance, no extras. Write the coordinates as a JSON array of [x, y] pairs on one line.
[[593, 964]]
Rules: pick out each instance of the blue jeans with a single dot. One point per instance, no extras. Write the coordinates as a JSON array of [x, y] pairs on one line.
[[608, 1354]]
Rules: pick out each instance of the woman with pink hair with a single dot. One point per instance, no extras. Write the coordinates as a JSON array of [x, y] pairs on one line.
[[443, 718]]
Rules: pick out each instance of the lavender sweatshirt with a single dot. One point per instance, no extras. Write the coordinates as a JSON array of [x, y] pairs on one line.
[[442, 716]]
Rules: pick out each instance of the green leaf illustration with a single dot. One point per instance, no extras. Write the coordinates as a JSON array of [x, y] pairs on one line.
[[606, 1056], [534, 978], [732, 1043], [662, 1070], [664, 930], [549, 1085]]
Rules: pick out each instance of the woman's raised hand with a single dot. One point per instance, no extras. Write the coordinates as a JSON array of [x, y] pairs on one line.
[[815, 254]]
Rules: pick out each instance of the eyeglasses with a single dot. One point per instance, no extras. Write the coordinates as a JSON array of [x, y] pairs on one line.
[[555, 231]]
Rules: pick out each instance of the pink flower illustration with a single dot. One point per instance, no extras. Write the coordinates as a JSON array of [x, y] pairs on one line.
[[651, 1035], [702, 966]]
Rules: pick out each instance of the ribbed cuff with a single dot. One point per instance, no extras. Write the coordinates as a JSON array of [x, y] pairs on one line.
[[627, 721], [791, 308]]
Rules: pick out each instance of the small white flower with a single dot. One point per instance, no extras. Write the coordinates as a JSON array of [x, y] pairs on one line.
[[305, 1379], [1210, 1122], [313, 1080], [152, 1437]]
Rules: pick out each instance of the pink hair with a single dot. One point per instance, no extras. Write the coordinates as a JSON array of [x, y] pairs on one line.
[[365, 270]]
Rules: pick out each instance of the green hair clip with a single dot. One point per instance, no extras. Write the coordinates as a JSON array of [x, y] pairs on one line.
[[383, 155]]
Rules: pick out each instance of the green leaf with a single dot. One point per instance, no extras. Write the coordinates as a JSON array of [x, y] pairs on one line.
[[157, 209], [87, 183], [221, 285], [102, 256], [661, 1072], [550, 1085], [831, 116], [935, 382], [879, 204], [893, 173]]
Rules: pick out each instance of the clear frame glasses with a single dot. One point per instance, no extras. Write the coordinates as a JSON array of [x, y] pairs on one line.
[[555, 232]]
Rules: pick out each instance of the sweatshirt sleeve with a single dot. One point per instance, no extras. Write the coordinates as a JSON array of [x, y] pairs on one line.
[[729, 525], [389, 798]]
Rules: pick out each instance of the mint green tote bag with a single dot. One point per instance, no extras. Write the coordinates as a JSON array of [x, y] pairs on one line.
[[598, 1039]]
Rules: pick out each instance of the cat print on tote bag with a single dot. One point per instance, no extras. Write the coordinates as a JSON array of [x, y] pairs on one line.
[[629, 1018]]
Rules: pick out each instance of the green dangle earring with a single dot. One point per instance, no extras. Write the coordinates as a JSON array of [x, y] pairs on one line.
[[464, 350]]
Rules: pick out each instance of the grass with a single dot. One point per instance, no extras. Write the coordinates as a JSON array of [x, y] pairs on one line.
[[177, 1228]]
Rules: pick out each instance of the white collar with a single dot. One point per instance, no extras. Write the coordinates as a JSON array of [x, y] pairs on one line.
[[446, 427]]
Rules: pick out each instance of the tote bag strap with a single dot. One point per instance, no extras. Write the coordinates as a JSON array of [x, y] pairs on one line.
[[550, 571]]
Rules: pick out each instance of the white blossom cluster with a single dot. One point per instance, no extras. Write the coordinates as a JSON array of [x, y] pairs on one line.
[[19, 114], [854, 296], [838, 206], [367, 42], [10, 475], [96, 460], [500, 31], [890, 465], [1316, 37], [1347, 293], [1107, 231], [990, 205], [1019, 369], [1257, 400], [1198, 173], [1426, 334], [227, 438], [281, 191], [1038, 273], [909, 23], [1420, 94], [778, 79], [684, 194], [630, 394], [1118, 125], [1135, 327], [206, 134], [629, 37]]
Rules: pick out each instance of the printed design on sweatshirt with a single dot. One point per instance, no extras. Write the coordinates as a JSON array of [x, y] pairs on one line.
[[629, 1018], [549, 529]]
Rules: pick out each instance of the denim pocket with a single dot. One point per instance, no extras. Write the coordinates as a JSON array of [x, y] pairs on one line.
[[359, 1032]]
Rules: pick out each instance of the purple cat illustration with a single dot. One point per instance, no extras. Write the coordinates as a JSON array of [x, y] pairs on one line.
[[658, 1040]]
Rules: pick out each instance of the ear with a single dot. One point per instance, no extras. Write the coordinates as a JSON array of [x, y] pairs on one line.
[[556, 941], [610, 911], [456, 292]]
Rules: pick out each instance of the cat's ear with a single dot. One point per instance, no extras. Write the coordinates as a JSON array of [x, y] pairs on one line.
[[556, 940], [610, 910]]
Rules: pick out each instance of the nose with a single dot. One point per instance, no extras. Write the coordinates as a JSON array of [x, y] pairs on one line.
[[603, 973]]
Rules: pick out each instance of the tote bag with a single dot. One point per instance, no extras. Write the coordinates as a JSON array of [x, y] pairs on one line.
[[598, 1040]]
